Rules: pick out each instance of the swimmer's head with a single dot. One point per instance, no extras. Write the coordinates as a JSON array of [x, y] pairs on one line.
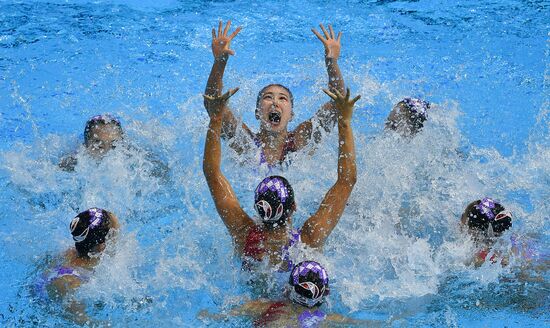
[[408, 116], [274, 107], [274, 201], [90, 229], [486, 219], [101, 134], [309, 284]]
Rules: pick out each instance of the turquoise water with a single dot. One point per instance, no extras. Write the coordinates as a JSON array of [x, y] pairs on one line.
[[396, 254]]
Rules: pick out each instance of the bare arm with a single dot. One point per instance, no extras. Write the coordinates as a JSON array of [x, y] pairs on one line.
[[319, 226], [227, 204], [250, 309], [327, 114], [221, 51]]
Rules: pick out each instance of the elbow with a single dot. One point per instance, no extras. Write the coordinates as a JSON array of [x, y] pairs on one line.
[[352, 179], [348, 177]]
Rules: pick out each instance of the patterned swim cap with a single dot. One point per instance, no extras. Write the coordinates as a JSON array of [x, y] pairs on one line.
[[417, 106], [274, 200], [89, 229], [488, 216], [309, 282]]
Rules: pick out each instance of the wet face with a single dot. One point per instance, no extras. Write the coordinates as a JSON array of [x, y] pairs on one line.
[[275, 109], [102, 138]]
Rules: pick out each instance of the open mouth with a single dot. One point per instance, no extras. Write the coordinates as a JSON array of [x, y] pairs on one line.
[[274, 117]]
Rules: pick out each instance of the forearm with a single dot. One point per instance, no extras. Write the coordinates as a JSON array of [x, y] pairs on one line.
[[328, 112], [335, 78], [212, 149], [347, 171], [214, 86]]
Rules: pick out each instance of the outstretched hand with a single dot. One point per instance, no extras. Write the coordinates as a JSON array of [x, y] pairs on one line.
[[343, 104], [216, 104], [221, 41], [330, 41]]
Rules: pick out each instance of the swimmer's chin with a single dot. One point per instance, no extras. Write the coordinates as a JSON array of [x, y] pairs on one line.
[[274, 127]]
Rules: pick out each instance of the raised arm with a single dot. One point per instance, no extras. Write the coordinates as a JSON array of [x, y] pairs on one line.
[[227, 204], [327, 114], [319, 226], [221, 51]]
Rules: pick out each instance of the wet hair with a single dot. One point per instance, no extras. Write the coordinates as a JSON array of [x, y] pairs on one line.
[[487, 217], [105, 119], [261, 93], [274, 201], [309, 283], [416, 111], [89, 229]]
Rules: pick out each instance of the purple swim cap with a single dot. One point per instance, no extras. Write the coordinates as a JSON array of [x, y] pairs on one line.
[[417, 106], [274, 200], [89, 228], [104, 118], [489, 216], [310, 283]]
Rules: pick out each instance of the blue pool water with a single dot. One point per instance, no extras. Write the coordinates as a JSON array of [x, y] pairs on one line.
[[395, 256]]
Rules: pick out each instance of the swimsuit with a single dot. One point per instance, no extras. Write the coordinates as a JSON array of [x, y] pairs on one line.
[[288, 147], [524, 247], [58, 272], [271, 314], [308, 319], [254, 249]]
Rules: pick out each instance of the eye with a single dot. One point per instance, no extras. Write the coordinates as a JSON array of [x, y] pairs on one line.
[[283, 98], [268, 97]]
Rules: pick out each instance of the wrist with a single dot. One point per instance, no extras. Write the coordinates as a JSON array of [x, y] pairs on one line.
[[344, 122], [221, 59]]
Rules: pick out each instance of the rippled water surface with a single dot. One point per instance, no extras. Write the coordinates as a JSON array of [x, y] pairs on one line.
[[396, 256]]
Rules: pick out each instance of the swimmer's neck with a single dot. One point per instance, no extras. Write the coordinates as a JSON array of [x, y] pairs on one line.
[[82, 261], [272, 139], [278, 237]]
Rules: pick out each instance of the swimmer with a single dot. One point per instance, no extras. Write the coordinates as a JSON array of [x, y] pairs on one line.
[[101, 134], [485, 221], [90, 231], [274, 104], [104, 133], [306, 292], [274, 198], [408, 116]]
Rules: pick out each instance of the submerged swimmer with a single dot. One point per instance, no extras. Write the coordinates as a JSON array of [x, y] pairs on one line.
[[485, 221], [274, 197], [408, 116], [90, 230], [101, 134], [104, 133], [274, 105], [307, 290]]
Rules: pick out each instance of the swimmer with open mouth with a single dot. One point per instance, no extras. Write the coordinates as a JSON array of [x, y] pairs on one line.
[[274, 105]]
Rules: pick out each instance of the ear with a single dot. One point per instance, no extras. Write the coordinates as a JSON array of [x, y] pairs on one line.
[[294, 207], [257, 114]]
